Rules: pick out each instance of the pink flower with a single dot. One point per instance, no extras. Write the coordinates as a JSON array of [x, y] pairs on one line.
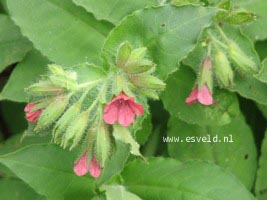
[[32, 116], [203, 96], [122, 109], [81, 167]]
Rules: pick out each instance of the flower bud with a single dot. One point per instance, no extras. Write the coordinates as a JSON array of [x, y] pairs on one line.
[[44, 88], [123, 55], [65, 79], [205, 76], [65, 120], [52, 113], [148, 81], [223, 70], [149, 93], [76, 130], [102, 144], [138, 66], [242, 61]]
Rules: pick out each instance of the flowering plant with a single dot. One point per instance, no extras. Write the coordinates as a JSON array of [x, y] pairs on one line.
[[133, 99]]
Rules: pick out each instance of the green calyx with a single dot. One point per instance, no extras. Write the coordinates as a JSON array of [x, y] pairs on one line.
[[205, 74], [223, 71]]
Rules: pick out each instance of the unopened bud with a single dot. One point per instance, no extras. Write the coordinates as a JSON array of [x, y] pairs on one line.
[[65, 121], [148, 81], [138, 66], [242, 61], [149, 93], [76, 130], [205, 75], [52, 113], [56, 70], [102, 144], [44, 88], [223, 70], [124, 53]]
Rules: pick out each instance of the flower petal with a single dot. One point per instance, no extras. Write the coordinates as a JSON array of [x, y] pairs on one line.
[[192, 96], [94, 168], [137, 109], [126, 115], [81, 166], [33, 116], [29, 107], [111, 115], [204, 96]]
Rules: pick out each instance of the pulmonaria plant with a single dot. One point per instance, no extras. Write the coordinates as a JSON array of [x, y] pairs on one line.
[[88, 114]]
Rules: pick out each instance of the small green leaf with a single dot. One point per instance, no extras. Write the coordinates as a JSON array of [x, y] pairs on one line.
[[258, 29], [116, 163], [123, 134], [168, 179], [261, 182], [115, 11], [119, 192], [13, 46]]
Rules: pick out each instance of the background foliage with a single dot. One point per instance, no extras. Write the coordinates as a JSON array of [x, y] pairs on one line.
[[34, 33]]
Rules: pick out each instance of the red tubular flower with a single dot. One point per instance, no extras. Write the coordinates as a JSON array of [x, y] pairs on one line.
[[202, 96], [122, 109], [32, 116], [81, 167]]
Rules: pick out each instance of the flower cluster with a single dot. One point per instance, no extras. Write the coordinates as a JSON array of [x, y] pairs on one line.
[[81, 112]]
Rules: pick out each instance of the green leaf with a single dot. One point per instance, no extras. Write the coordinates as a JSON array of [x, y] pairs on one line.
[[169, 33], [169, 179], [62, 31], [122, 134], [13, 46], [180, 84], [118, 192], [26, 72], [13, 189], [258, 29], [261, 182], [49, 171], [115, 11], [116, 163], [263, 74], [143, 134], [229, 146]]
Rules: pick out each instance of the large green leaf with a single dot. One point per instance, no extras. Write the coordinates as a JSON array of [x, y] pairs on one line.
[[230, 146], [62, 31], [261, 183], [49, 170], [26, 73], [115, 11], [180, 84], [258, 29], [13, 189], [168, 32], [168, 179], [13, 46]]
